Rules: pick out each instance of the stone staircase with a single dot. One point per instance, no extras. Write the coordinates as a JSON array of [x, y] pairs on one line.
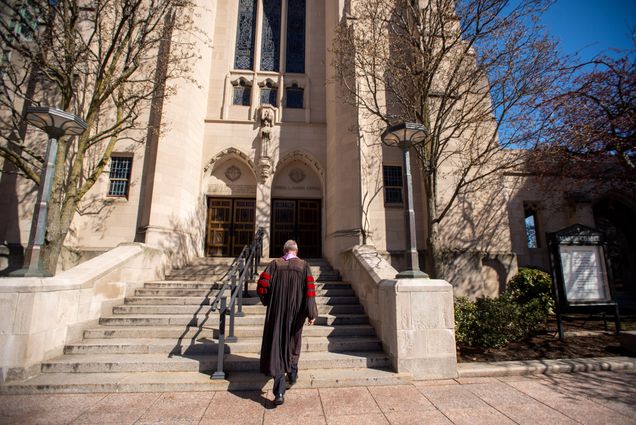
[[164, 339]]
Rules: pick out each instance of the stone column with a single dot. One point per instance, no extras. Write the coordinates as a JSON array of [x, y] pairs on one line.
[[264, 210], [419, 327]]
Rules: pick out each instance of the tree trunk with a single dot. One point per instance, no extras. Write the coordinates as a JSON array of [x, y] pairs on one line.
[[58, 225], [434, 260]]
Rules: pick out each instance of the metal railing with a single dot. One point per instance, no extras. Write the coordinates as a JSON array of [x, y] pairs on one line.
[[236, 280]]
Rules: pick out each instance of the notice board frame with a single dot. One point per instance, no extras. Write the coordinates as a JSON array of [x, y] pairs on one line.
[[581, 236]]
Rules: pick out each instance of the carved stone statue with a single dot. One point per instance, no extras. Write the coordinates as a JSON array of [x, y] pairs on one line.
[[267, 118]]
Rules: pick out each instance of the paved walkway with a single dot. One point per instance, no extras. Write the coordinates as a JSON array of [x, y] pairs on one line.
[[584, 398]]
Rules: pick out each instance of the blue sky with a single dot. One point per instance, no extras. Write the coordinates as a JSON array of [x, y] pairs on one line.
[[591, 26]]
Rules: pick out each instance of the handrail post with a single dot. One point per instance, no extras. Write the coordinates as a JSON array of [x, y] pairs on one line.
[[219, 374], [231, 337]]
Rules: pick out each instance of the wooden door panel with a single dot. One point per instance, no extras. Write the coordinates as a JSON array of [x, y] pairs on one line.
[[309, 235], [283, 224], [298, 220], [219, 227], [243, 223], [230, 226]]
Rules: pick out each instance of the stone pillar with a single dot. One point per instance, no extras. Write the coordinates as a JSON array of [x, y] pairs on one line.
[[264, 209], [414, 318], [419, 327]]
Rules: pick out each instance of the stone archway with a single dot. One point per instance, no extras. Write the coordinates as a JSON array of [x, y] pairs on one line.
[[229, 190], [615, 218], [297, 192]]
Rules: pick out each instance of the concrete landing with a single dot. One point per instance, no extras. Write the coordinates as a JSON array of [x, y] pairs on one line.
[[585, 398]]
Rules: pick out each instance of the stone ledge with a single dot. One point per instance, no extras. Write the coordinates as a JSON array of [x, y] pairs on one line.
[[544, 367]]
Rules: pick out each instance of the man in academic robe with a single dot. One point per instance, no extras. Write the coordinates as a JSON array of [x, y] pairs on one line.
[[288, 290]]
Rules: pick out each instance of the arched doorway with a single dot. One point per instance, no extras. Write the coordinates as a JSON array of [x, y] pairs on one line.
[[230, 191], [616, 220], [297, 209]]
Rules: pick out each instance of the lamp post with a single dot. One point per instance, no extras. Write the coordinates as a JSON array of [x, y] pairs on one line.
[[404, 135], [56, 123]]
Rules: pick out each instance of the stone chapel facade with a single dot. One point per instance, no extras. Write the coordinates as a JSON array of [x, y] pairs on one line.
[[262, 138]]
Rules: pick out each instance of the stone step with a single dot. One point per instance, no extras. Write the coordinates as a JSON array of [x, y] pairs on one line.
[[212, 291], [345, 290], [206, 345], [240, 331], [213, 320], [196, 381], [104, 363], [247, 309], [210, 277], [323, 297]]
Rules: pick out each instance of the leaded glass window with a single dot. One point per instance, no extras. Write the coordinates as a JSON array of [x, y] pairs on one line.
[[270, 43], [242, 93], [244, 55], [294, 96], [269, 94], [392, 184], [295, 54], [120, 168], [530, 223]]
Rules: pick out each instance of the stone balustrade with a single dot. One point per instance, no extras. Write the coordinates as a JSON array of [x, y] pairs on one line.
[[414, 318], [38, 316]]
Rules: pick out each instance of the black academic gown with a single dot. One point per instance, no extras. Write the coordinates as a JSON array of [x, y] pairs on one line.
[[288, 290]]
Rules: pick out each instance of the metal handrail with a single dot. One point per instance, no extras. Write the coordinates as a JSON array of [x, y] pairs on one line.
[[243, 269]]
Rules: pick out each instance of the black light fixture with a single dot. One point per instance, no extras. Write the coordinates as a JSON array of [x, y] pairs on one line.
[[56, 123], [404, 135]]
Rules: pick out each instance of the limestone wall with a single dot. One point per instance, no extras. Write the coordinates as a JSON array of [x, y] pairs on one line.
[[38, 316], [414, 318]]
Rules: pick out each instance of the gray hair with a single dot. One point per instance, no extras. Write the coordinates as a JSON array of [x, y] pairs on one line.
[[290, 245]]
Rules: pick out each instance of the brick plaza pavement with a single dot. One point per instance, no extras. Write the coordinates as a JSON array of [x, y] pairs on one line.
[[581, 398]]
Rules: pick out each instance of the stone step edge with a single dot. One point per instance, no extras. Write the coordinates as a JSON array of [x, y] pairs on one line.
[[199, 381], [544, 367]]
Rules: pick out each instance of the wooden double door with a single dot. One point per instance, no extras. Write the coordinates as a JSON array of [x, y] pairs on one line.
[[230, 226], [297, 219]]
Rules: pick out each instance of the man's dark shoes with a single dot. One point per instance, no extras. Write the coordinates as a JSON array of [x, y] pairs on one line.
[[279, 400], [292, 378]]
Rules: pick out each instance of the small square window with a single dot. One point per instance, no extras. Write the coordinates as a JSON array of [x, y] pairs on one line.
[[242, 93], [392, 184], [269, 94], [120, 168], [294, 96]]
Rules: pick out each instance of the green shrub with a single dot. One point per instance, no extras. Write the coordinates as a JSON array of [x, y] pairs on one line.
[[531, 284], [531, 289], [496, 322], [516, 314], [465, 317]]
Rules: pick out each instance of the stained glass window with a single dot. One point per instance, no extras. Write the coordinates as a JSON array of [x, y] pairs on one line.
[[242, 93], [392, 184], [270, 43], [530, 222], [269, 94], [294, 96], [295, 54], [244, 56], [120, 168]]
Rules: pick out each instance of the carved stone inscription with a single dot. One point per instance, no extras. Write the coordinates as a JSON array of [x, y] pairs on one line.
[[584, 273]]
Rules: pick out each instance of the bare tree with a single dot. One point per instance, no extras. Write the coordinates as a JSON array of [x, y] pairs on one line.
[[593, 124], [106, 61], [471, 71]]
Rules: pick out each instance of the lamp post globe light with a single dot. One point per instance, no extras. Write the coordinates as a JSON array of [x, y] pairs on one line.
[[56, 123], [404, 135]]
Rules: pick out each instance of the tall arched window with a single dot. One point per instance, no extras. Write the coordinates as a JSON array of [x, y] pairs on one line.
[[295, 49], [270, 14], [244, 55], [270, 38]]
